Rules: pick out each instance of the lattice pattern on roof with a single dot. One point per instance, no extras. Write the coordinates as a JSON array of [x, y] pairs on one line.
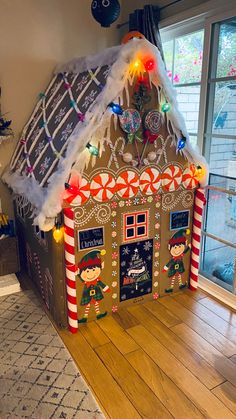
[[45, 138]]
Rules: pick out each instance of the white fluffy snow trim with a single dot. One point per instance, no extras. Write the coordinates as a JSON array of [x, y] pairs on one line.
[[81, 64], [49, 203]]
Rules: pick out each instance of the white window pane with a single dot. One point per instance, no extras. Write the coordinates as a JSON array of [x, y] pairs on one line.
[[224, 115], [223, 157], [226, 65], [188, 99], [188, 58]]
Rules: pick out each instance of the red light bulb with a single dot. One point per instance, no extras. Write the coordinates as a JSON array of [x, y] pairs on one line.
[[149, 65]]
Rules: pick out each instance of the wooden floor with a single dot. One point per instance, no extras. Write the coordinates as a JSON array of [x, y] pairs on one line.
[[175, 357]]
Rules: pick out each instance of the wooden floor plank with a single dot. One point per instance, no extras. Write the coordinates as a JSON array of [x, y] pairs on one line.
[[125, 319], [117, 335], [196, 295], [164, 315], [170, 395], [192, 361], [203, 398], [208, 317], [111, 397], [227, 394], [226, 313], [221, 363], [207, 332], [93, 334], [141, 396]]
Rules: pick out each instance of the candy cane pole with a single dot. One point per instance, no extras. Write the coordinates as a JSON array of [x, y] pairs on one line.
[[69, 242], [199, 203]]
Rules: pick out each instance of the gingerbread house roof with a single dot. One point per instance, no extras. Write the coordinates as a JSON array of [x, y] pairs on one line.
[[74, 111]]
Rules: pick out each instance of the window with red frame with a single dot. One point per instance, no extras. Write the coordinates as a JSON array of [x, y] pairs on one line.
[[135, 225]]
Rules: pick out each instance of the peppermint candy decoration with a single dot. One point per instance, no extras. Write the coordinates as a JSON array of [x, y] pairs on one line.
[[152, 121], [150, 181], [78, 192], [190, 180], [171, 178], [130, 121], [102, 187], [127, 184]]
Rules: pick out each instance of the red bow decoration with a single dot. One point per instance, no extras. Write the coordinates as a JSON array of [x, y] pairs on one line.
[[149, 137]]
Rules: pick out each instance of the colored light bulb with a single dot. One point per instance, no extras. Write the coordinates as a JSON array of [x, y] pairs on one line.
[[181, 143], [165, 107], [116, 108], [57, 233], [200, 171], [92, 149], [149, 65]]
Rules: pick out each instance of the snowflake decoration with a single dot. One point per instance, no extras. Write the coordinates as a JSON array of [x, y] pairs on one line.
[[143, 200], [45, 165], [114, 255], [157, 254], [113, 224], [142, 290], [150, 199], [157, 198], [35, 133], [157, 236], [56, 101], [106, 72], [149, 257], [114, 263], [114, 245], [157, 246], [89, 99], [157, 226], [157, 215], [125, 251], [113, 214], [156, 263], [158, 204], [113, 205], [39, 148], [155, 284], [60, 115], [156, 273], [147, 246], [114, 273], [114, 309], [114, 284], [67, 131], [123, 263], [128, 202], [113, 234], [123, 297], [155, 296], [121, 204], [114, 296], [136, 201], [81, 83], [54, 89]]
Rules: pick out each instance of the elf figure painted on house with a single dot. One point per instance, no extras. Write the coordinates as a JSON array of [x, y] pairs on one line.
[[89, 271], [177, 246]]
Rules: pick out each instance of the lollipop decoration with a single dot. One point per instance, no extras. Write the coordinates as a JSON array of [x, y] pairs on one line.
[[130, 122]]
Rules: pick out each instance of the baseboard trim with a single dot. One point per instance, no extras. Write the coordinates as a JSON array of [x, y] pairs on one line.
[[9, 284], [216, 291]]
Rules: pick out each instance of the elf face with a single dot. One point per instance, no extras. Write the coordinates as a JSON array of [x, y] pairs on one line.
[[90, 274], [177, 249]]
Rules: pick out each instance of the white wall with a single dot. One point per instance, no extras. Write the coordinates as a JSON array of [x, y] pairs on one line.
[[36, 35]]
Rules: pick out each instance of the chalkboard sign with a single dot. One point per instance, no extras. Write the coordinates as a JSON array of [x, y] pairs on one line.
[[179, 219], [91, 238]]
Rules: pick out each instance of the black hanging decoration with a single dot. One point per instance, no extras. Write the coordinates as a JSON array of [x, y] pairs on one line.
[[105, 11]]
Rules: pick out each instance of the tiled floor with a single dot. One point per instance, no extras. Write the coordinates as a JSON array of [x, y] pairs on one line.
[[38, 378]]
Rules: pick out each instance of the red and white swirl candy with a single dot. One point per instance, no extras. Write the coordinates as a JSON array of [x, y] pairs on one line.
[[78, 192], [150, 181], [102, 187], [127, 184], [190, 180], [171, 178]]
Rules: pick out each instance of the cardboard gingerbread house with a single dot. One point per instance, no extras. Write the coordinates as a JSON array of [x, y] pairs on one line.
[[104, 166]]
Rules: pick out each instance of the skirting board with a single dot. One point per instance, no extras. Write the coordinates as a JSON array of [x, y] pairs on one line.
[[9, 284], [216, 291]]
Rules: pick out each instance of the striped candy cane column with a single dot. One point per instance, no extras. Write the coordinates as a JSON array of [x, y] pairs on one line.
[[199, 203], [69, 241]]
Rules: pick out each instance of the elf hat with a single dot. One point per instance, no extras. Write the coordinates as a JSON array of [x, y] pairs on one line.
[[179, 237], [92, 258]]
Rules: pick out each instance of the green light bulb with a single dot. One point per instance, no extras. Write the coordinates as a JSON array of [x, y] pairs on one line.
[[165, 107]]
